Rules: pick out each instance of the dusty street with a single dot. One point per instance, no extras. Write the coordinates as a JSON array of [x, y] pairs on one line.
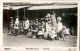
[[24, 41]]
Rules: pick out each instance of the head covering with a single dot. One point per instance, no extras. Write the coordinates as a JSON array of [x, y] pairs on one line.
[[52, 12], [59, 18], [49, 22], [42, 19], [53, 28], [33, 20], [17, 20], [11, 17], [36, 19], [64, 27], [48, 15], [26, 18], [17, 16]]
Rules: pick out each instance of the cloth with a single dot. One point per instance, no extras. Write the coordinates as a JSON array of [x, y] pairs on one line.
[[48, 29], [16, 32], [59, 26], [26, 24], [41, 32], [41, 29], [25, 31], [34, 31], [52, 34], [21, 27], [17, 21], [34, 34], [16, 25], [60, 34], [11, 23], [53, 17], [66, 31], [45, 34]]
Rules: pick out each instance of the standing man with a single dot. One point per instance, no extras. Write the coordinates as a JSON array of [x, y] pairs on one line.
[[59, 27], [11, 24], [16, 26], [26, 26]]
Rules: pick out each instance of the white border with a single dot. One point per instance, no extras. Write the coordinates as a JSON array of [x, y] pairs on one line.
[[1, 18]]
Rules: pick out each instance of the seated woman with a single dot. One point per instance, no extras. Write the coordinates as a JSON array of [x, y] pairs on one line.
[[34, 30], [40, 30], [48, 30], [21, 28], [66, 32]]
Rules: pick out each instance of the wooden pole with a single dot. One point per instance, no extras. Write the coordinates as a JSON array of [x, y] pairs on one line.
[[24, 12], [17, 13]]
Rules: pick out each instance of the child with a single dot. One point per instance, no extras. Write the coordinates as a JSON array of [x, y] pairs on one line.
[[66, 32], [62, 33], [52, 33]]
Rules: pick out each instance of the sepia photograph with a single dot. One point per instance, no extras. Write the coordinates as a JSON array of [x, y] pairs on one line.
[[29, 24]]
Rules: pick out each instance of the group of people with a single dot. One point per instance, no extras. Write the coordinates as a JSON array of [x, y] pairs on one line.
[[20, 26], [41, 28]]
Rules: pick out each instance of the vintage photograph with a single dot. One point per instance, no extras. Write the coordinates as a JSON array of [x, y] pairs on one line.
[[28, 24]]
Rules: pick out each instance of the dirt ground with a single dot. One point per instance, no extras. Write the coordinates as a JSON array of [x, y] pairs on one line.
[[24, 41]]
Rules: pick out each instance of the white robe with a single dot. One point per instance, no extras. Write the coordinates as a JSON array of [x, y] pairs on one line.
[[41, 32], [52, 34], [16, 25], [26, 24], [67, 31], [59, 26], [48, 28]]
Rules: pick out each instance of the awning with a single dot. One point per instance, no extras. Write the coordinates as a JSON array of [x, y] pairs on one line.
[[14, 7], [51, 7], [38, 6]]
